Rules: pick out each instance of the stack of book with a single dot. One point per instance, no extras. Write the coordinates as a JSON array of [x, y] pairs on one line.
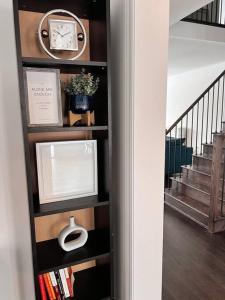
[[57, 285]]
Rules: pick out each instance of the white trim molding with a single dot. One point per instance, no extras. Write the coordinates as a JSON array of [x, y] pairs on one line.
[[122, 41], [139, 33]]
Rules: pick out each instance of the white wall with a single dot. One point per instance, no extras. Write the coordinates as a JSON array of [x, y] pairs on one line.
[[16, 278], [150, 77], [184, 89], [139, 50]]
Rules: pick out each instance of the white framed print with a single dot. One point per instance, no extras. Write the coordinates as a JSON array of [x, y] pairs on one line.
[[43, 97], [66, 170]]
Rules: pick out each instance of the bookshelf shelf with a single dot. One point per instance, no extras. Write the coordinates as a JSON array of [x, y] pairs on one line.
[[66, 129], [47, 62], [68, 205], [51, 257]]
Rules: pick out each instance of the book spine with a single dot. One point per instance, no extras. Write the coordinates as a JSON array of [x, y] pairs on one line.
[[59, 282], [48, 287], [72, 278], [64, 283], [68, 282], [51, 286], [55, 285], [42, 287]]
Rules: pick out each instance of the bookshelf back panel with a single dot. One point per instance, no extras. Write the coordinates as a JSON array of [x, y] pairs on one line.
[[90, 264], [30, 45], [49, 227], [84, 266]]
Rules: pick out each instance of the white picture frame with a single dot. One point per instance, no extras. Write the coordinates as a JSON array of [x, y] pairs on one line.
[[66, 170], [43, 97]]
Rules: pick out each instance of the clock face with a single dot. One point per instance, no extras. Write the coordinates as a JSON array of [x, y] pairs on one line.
[[63, 35]]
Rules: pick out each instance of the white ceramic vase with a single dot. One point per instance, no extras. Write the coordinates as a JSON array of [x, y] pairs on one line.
[[76, 243]]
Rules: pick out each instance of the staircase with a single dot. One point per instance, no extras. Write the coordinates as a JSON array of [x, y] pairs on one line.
[[190, 191], [196, 188]]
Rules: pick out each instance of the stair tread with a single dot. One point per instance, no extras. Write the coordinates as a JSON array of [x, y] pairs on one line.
[[202, 156], [196, 170], [219, 133], [197, 186], [192, 203], [209, 145]]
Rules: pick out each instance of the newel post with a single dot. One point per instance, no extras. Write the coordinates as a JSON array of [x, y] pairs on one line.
[[214, 213]]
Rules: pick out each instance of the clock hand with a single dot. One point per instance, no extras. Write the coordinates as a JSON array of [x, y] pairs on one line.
[[66, 33], [58, 32]]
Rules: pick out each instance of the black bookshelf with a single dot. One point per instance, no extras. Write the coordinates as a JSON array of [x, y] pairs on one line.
[[96, 283]]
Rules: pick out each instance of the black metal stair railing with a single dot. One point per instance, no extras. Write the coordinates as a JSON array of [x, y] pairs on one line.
[[194, 128], [211, 14]]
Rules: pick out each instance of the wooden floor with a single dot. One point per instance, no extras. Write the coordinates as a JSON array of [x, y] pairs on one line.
[[193, 262]]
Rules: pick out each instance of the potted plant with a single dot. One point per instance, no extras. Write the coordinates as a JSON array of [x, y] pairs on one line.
[[81, 89]]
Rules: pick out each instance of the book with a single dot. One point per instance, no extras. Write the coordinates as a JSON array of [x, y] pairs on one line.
[[42, 287], [72, 278], [64, 283], [49, 287], [59, 282], [70, 288], [55, 285]]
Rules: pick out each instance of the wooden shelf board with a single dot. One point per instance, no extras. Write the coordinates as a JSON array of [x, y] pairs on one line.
[[51, 257], [32, 61], [68, 205], [66, 129], [97, 280]]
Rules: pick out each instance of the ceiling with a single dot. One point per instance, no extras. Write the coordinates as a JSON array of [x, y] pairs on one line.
[[187, 55], [182, 8], [194, 46]]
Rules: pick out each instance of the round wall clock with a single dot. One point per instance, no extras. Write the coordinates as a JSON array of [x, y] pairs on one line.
[[62, 34]]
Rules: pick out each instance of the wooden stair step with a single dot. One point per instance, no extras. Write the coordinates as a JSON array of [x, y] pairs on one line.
[[193, 176], [204, 164], [223, 126], [208, 150], [195, 191], [201, 163], [191, 208], [196, 177]]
